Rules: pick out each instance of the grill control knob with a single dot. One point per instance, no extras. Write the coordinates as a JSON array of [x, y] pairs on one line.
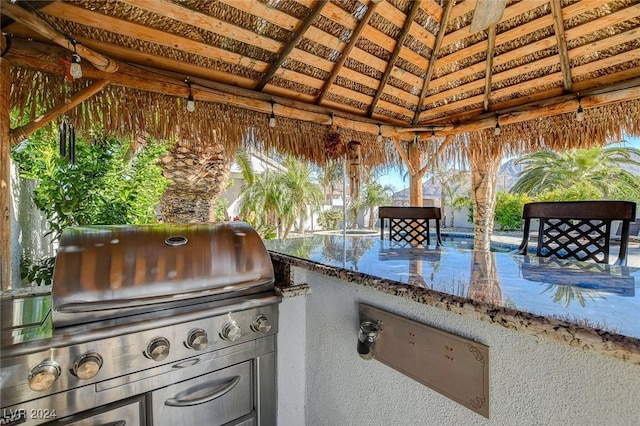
[[197, 339], [87, 366], [44, 375], [157, 349], [261, 324], [231, 331]]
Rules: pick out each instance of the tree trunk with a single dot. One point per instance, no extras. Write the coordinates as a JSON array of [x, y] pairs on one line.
[[485, 283], [485, 163], [198, 180]]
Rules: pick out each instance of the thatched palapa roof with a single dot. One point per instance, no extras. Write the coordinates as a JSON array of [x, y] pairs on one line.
[[399, 67]]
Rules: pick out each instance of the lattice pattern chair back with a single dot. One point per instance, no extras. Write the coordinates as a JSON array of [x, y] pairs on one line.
[[578, 230], [410, 225]]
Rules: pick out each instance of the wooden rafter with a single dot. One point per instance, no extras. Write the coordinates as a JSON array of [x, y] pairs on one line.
[[434, 58], [347, 50], [415, 7], [208, 23], [405, 157], [489, 72], [558, 25], [284, 54], [41, 27], [20, 133], [41, 57]]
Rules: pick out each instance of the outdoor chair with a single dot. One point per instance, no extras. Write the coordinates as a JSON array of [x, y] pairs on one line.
[[578, 230], [410, 224]]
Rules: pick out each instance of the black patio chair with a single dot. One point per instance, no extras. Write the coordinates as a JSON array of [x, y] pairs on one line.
[[578, 230], [410, 224]]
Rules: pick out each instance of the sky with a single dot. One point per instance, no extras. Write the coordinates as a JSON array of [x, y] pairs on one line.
[[401, 181]]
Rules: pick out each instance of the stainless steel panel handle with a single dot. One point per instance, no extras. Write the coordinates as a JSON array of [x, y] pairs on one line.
[[116, 423], [216, 393]]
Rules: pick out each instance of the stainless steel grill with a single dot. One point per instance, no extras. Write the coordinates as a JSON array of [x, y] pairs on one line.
[[147, 325]]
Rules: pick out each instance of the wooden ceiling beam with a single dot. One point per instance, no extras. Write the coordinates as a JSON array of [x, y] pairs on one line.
[[520, 31], [491, 41], [21, 15], [43, 57], [619, 80], [84, 17], [20, 133], [434, 58], [286, 50], [396, 17], [551, 109], [512, 11], [558, 26], [587, 49], [415, 7], [347, 51], [208, 23], [628, 36]]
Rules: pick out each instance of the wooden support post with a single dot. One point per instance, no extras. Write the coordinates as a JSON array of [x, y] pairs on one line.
[[5, 178], [415, 179]]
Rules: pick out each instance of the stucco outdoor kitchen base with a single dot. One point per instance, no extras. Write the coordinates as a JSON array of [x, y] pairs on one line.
[[323, 381]]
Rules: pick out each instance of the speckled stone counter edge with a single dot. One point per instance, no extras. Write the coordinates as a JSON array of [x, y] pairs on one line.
[[623, 348]]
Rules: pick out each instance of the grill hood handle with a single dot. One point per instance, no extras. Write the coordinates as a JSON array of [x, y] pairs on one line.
[[115, 304], [216, 392]]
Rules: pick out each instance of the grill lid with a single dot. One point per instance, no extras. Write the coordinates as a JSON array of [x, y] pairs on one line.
[[106, 272]]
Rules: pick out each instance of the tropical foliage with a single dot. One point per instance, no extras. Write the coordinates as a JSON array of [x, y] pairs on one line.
[[274, 200], [110, 183], [375, 195], [329, 219], [580, 174], [509, 210]]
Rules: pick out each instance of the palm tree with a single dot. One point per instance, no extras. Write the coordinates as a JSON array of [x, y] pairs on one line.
[[331, 176], [598, 168], [375, 195], [304, 196], [276, 199], [452, 181]]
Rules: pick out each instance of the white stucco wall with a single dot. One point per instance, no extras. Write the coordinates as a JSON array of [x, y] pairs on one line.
[[28, 225], [533, 381]]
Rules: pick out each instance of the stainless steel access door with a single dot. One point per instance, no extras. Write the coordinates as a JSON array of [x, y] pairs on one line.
[[212, 399]]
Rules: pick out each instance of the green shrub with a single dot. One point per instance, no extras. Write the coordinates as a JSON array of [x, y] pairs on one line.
[[110, 183], [508, 214], [329, 219]]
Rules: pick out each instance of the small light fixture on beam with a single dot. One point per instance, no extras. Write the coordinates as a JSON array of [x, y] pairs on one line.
[[433, 134], [497, 129], [191, 104], [75, 69], [379, 138], [272, 117], [580, 112]]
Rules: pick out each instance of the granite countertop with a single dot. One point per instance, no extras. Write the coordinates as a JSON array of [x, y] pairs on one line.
[[585, 305]]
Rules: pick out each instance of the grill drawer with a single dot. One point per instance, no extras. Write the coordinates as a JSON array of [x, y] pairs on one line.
[[213, 399]]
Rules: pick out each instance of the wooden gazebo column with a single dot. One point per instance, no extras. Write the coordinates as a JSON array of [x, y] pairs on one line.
[[5, 204], [412, 159], [415, 175]]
